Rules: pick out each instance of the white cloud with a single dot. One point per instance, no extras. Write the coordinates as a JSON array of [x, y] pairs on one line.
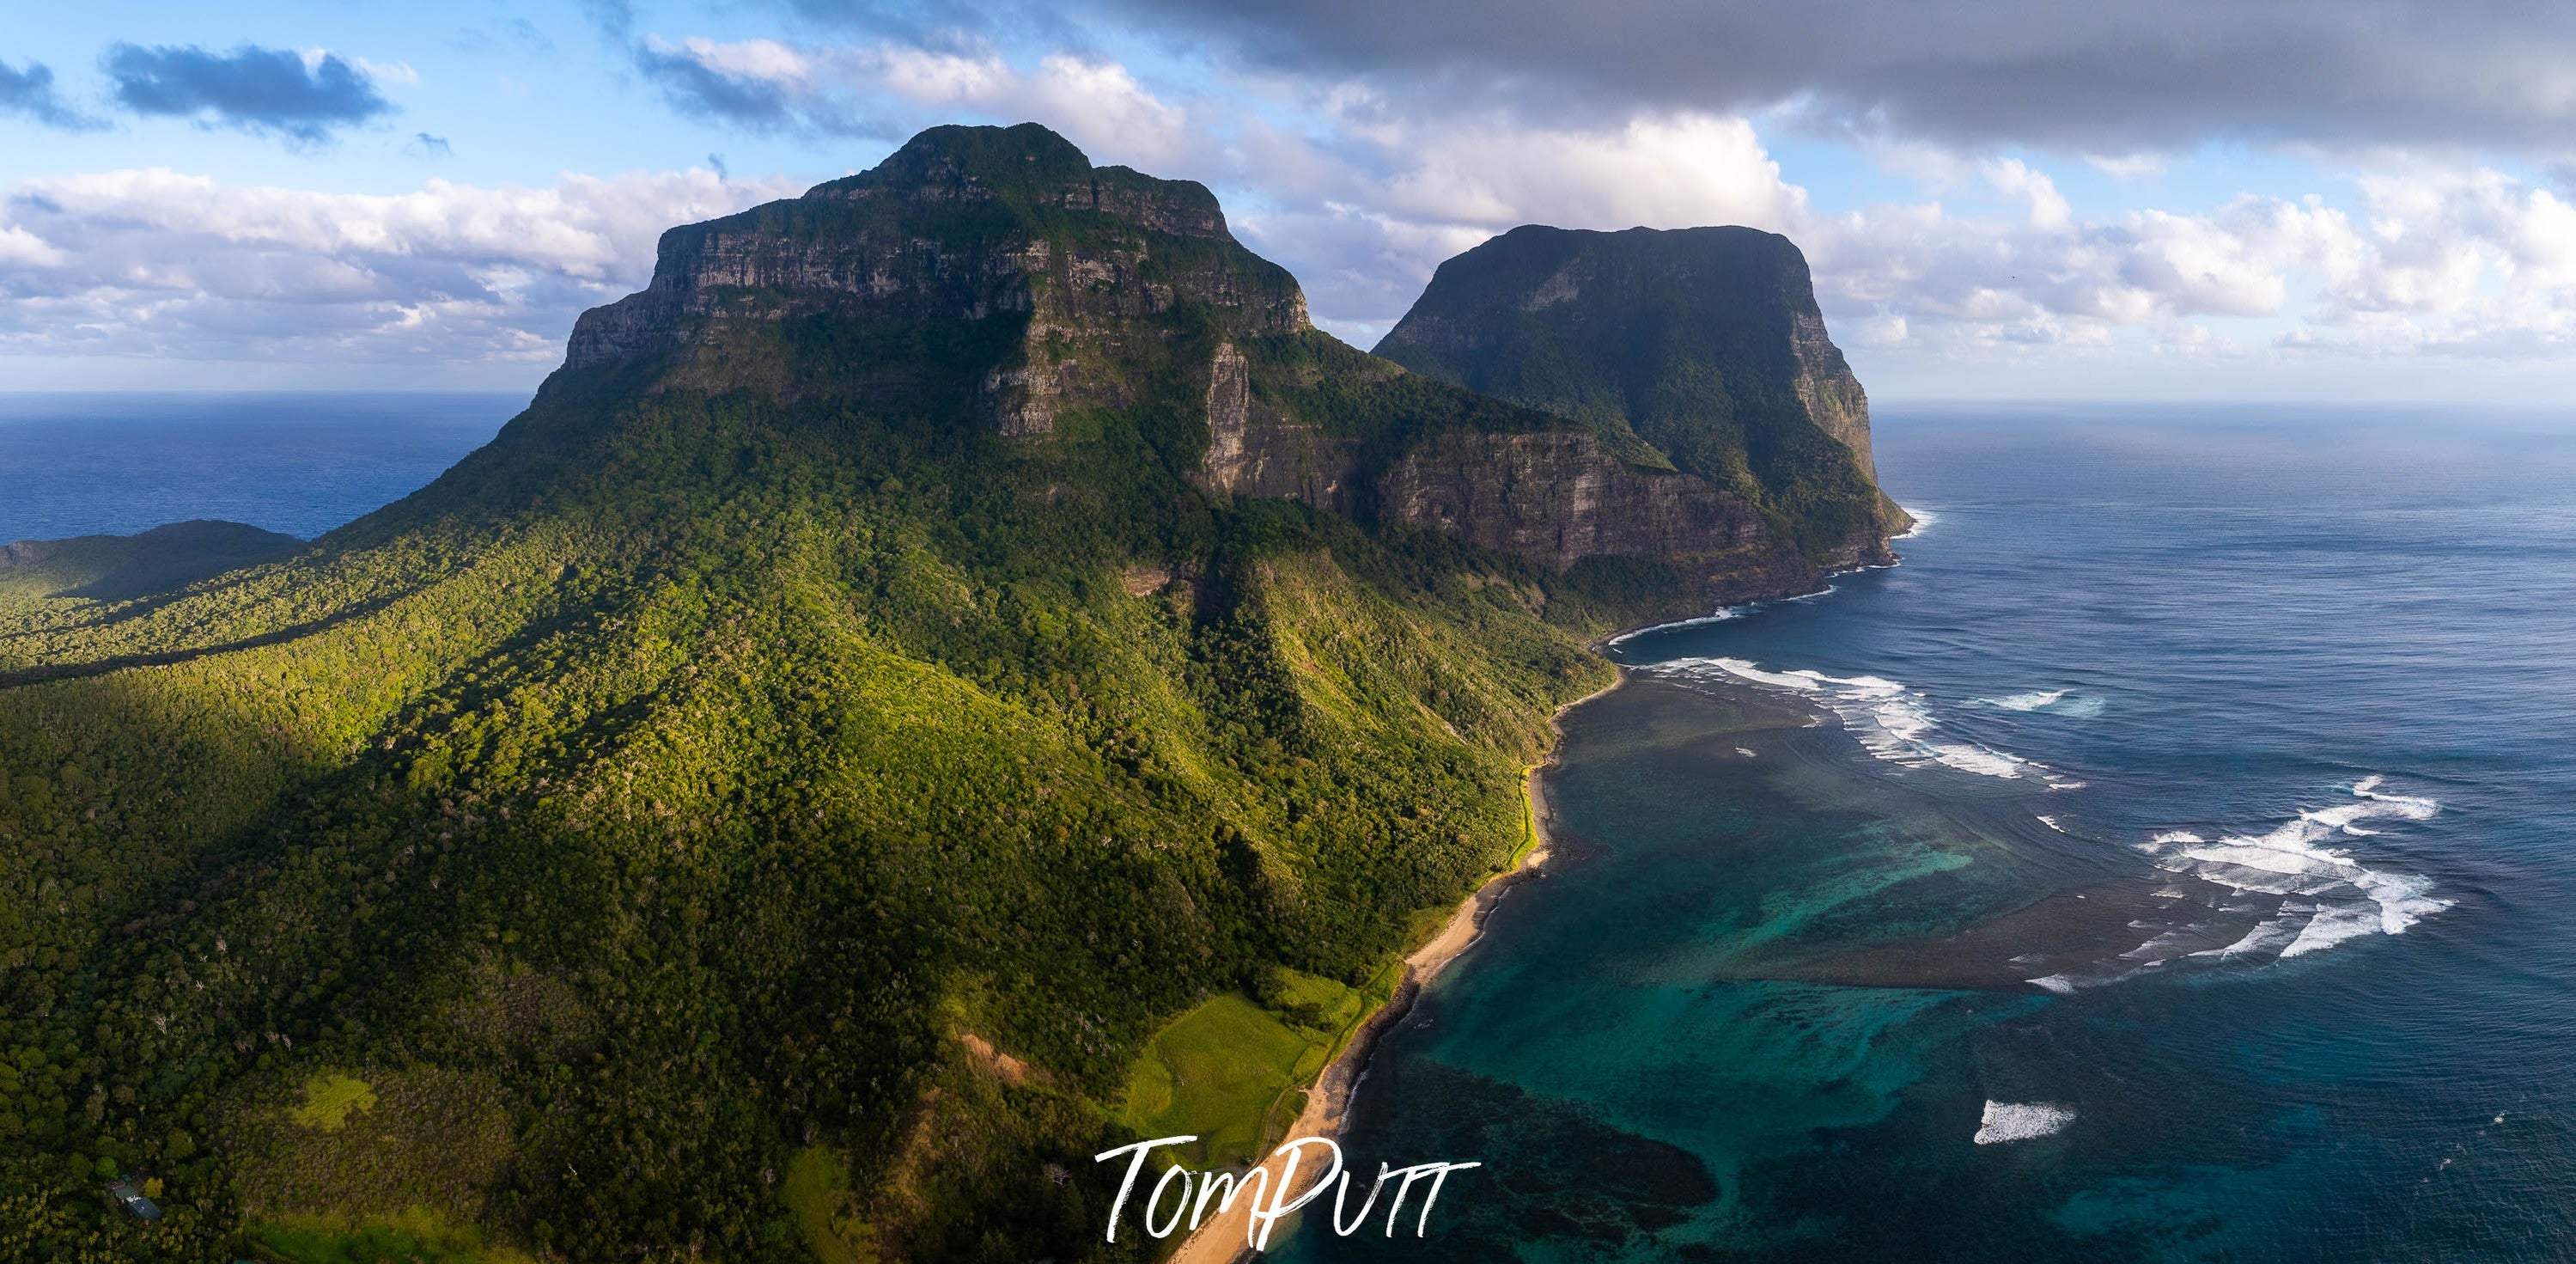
[[1653, 171], [20, 248], [2049, 210], [156, 262], [864, 90], [2129, 166], [765, 60], [1357, 194], [1366, 201]]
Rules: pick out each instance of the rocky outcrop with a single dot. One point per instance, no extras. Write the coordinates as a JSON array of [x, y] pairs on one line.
[[1255, 451], [1559, 497], [1556, 495], [1700, 347], [1826, 388], [962, 224]]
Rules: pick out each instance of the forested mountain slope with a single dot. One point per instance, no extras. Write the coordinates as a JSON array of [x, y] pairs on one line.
[[764, 804]]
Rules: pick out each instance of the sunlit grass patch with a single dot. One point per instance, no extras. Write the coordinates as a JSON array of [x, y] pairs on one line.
[[817, 1192], [330, 1098], [1229, 1072], [414, 1237]]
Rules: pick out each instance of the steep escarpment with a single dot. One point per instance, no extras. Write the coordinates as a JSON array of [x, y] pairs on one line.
[[787, 796], [1011, 229], [1701, 349], [999, 268]]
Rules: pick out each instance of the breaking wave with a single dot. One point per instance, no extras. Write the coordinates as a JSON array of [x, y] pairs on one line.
[[2021, 1121], [2327, 896], [1892, 722], [2305, 896], [2064, 702]]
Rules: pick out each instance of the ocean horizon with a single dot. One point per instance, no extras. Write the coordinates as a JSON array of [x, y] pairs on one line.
[[297, 462]]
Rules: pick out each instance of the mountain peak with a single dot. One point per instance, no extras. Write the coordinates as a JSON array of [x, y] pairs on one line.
[[1029, 170], [1700, 346], [1011, 229]]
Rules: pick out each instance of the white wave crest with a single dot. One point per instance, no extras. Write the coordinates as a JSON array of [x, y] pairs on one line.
[[2027, 701], [1892, 722], [2329, 897], [2061, 702], [2021, 1121], [1720, 615]]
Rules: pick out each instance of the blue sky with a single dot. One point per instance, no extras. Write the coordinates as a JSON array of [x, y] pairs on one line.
[[349, 194]]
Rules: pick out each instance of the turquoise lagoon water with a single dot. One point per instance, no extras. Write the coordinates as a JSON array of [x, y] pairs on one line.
[[2175, 858]]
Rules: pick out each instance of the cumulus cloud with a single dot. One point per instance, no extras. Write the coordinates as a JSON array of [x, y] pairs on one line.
[[30, 94], [2453, 260], [299, 96], [159, 263], [1363, 211], [889, 89]]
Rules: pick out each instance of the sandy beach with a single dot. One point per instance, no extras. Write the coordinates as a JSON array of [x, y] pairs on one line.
[[1221, 1239]]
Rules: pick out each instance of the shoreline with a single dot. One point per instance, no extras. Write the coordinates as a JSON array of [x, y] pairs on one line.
[[1328, 1099]]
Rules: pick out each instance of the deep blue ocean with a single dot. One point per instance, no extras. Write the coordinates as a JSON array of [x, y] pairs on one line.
[[2175, 858], [297, 462]]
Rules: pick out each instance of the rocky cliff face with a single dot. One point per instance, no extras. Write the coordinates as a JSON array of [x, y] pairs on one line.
[[1012, 228], [1561, 497], [1701, 349], [1000, 265]]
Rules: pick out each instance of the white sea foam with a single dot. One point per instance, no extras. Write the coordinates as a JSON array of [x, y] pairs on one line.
[[1891, 721], [2328, 896], [1721, 615], [2270, 935], [2021, 1121], [1744, 751], [2051, 822], [2027, 701], [2057, 983], [2060, 702]]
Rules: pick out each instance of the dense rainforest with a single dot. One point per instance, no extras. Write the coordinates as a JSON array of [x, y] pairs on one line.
[[787, 795]]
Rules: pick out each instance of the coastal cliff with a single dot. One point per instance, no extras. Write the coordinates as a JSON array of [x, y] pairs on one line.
[[1698, 349], [1067, 288]]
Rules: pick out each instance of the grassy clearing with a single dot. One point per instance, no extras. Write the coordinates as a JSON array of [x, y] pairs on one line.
[[1232, 1071], [817, 1192], [414, 1237], [330, 1098]]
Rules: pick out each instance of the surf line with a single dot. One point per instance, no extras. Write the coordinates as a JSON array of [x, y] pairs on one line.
[[1224, 1188]]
